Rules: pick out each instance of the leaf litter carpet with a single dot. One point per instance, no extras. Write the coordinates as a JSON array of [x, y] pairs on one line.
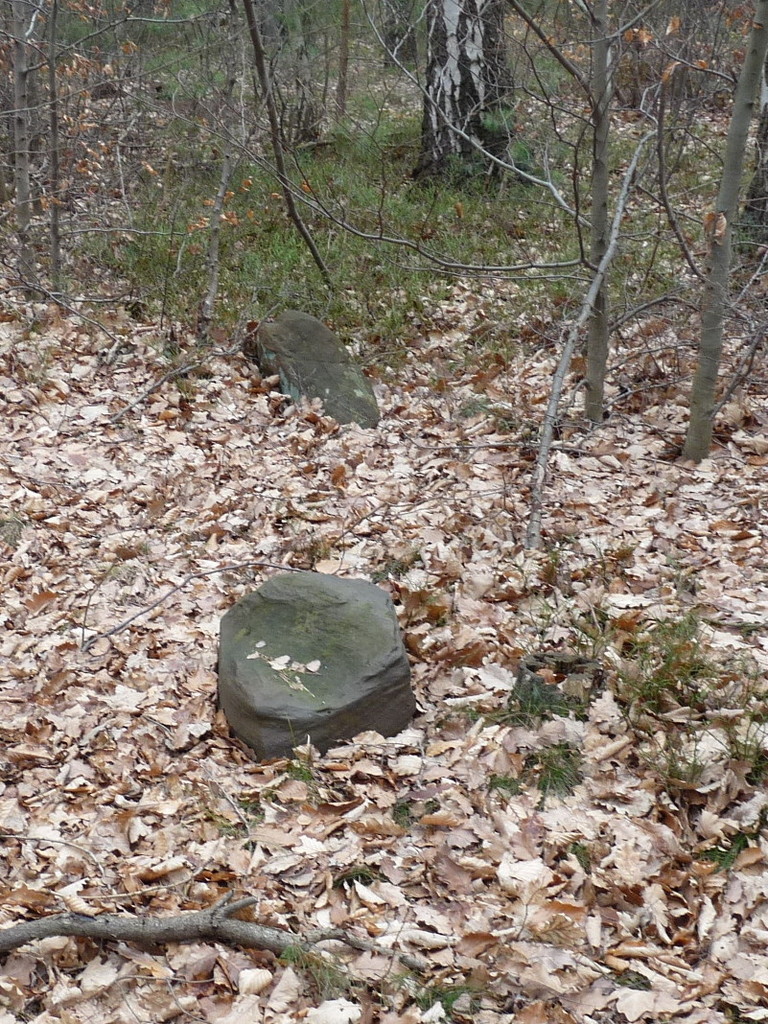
[[128, 532]]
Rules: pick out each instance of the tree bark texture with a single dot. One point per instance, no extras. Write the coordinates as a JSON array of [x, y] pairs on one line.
[[22, 178], [53, 150], [720, 227], [597, 339], [397, 19], [756, 206], [465, 78]]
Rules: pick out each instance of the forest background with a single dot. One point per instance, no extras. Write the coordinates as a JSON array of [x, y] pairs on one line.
[[541, 228]]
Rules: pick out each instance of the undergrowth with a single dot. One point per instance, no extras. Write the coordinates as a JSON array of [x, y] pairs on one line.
[[351, 178], [696, 708]]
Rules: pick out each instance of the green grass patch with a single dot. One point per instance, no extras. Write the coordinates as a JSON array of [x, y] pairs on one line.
[[327, 977], [555, 770], [632, 979], [301, 771], [669, 667], [357, 873], [358, 176], [508, 785], [698, 707], [402, 814], [582, 854], [724, 855], [447, 996]]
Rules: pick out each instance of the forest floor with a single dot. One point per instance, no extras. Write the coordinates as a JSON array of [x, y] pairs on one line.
[[135, 509]]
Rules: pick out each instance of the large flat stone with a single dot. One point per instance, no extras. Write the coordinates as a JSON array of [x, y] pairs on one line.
[[312, 656]]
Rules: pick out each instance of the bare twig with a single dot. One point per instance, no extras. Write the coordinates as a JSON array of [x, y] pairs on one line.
[[215, 924], [555, 50], [68, 307], [744, 370], [533, 533], [53, 842], [672, 218], [265, 82], [177, 371], [87, 644]]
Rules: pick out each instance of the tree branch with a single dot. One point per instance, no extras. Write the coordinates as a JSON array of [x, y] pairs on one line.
[[215, 924], [277, 143], [533, 533], [86, 645], [556, 52]]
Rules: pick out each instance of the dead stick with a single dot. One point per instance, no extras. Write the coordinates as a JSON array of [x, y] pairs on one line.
[[215, 924], [87, 644]]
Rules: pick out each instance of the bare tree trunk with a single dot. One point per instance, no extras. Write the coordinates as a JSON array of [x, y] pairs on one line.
[[500, 82], [533, 532], [597, 341], [23, 27], [720, 226], [756, 206], [53, 153], [212, 265], [341, 84], [309, 106], [212, 256], [462, 81]]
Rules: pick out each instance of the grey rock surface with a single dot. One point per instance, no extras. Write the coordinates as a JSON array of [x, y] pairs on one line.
[[312, 363], [312, 656]]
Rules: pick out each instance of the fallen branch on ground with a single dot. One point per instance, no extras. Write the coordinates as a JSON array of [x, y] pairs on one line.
[[215, 924], [87, 644]]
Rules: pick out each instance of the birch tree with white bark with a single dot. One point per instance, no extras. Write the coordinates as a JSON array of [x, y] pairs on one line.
[[466, 79]]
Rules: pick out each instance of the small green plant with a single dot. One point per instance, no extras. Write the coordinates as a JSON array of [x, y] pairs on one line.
[[402, 813], [680, 768], [328, 977], [758, 758], [357, 873], [556, 770], [506, 784], [669, 668], [252, 810], [632, 979], [395, 567], [233, 829], [447, 996], [593, 631], [675, 685], [581, 852], [10, 529], [300, 770], [750, 628], [724, 856], [533, 698]]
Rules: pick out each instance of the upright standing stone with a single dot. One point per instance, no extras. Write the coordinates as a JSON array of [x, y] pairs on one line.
[[312, 363]]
